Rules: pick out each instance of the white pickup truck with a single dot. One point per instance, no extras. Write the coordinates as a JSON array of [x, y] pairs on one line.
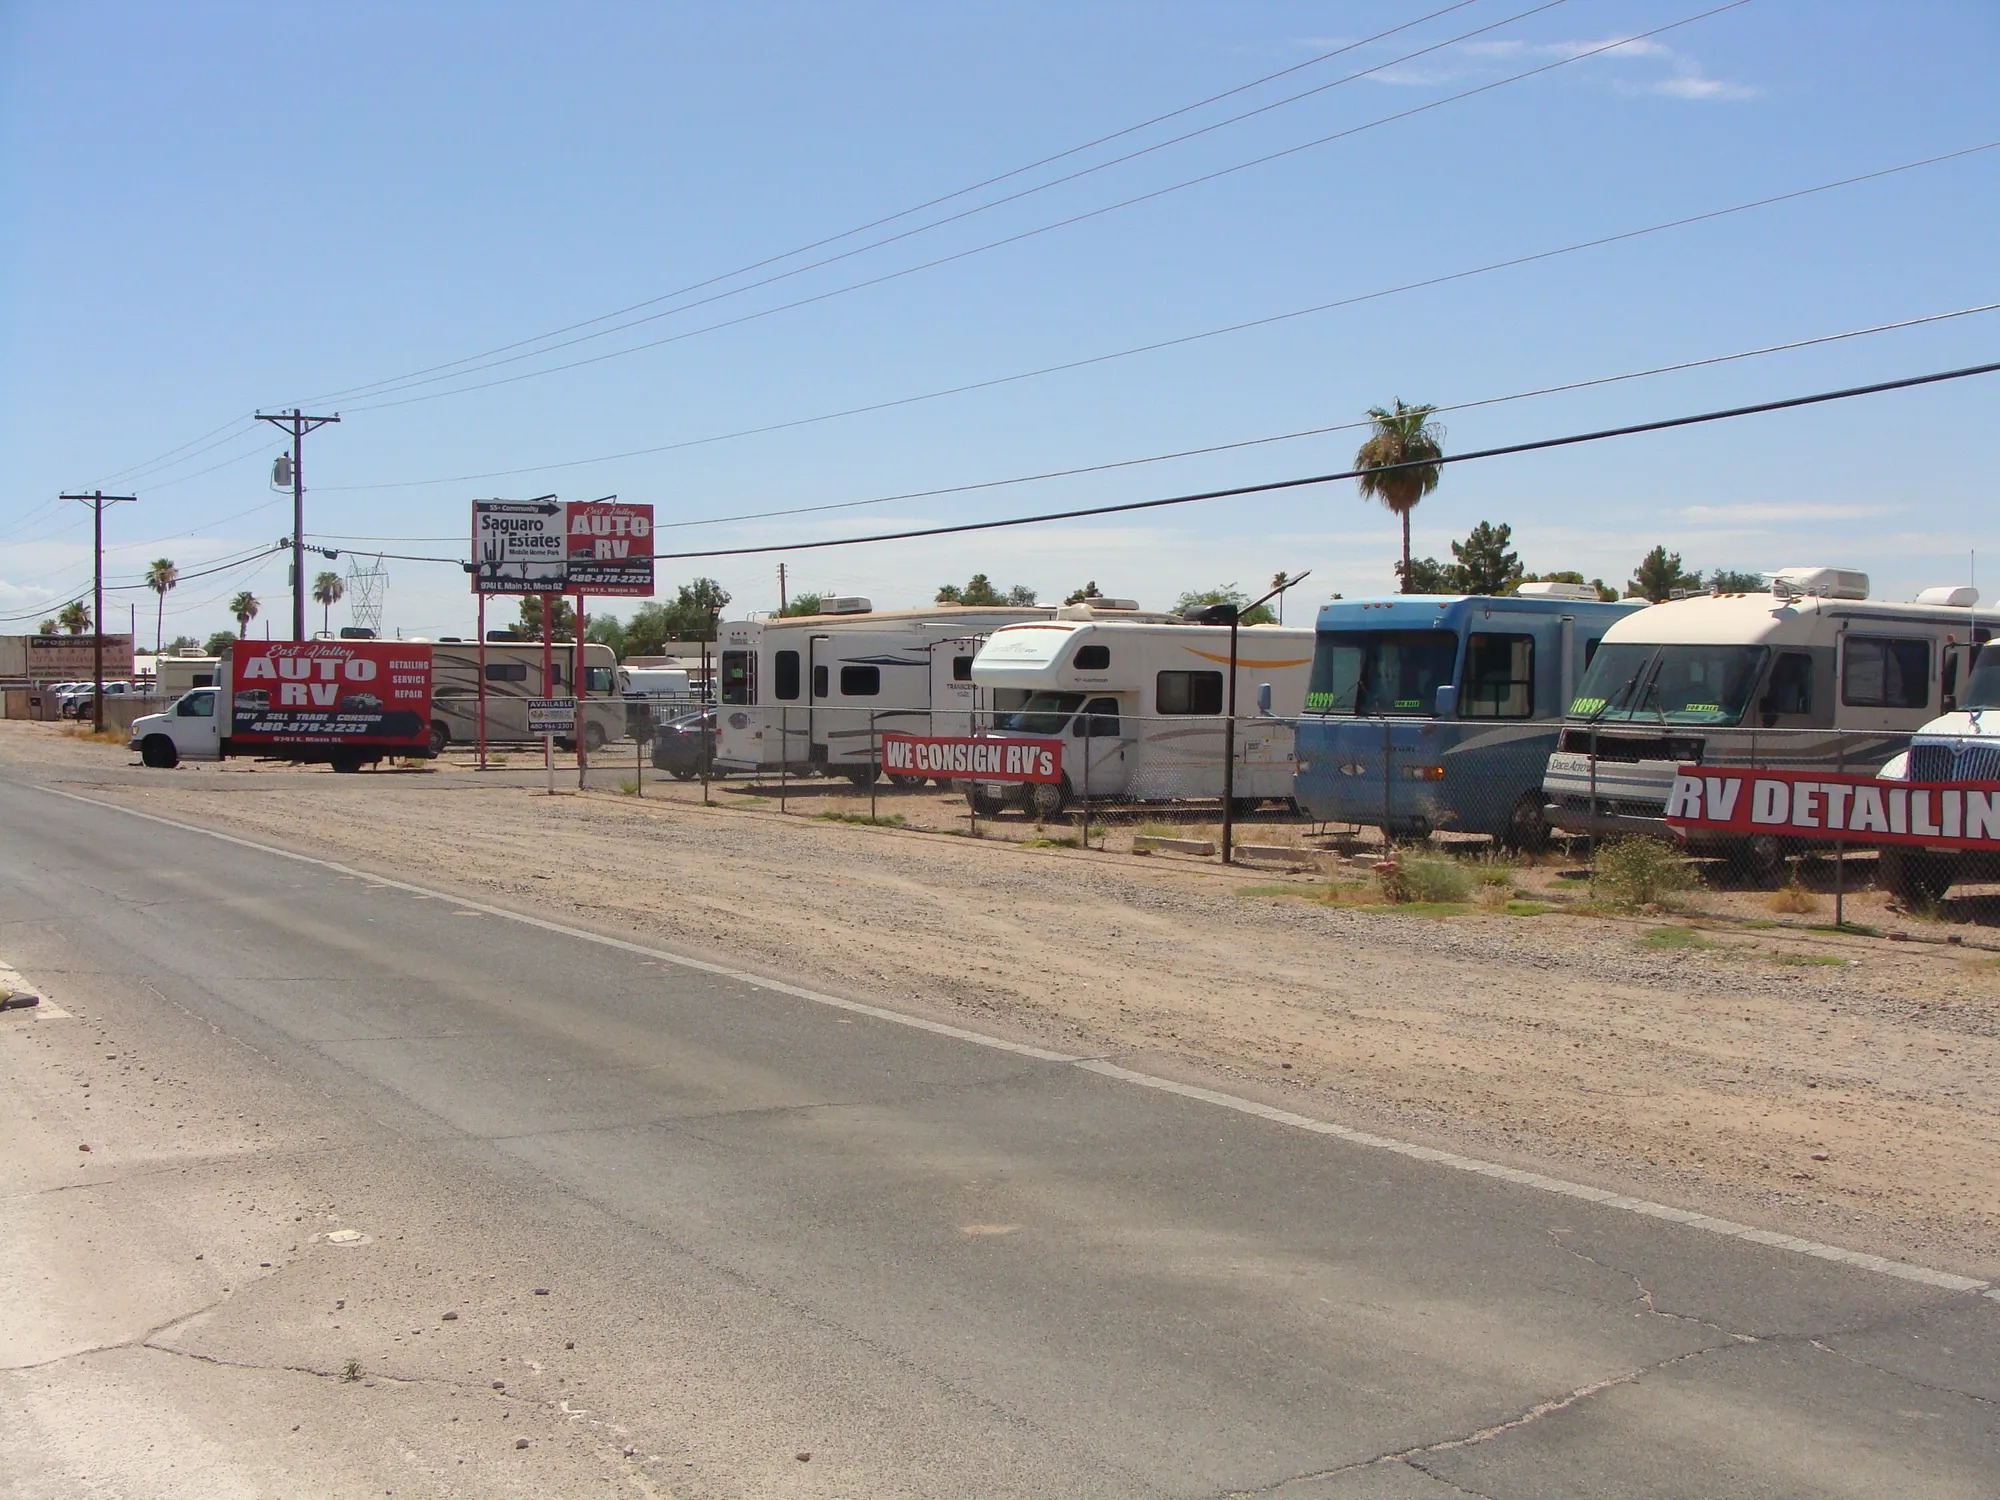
[[1963, 745]]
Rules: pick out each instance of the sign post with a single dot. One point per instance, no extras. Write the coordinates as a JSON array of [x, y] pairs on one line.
[[548, 717]]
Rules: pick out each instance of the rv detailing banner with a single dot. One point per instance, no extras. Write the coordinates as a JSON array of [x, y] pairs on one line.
[[610, 548], [64, 658], [973, 759], [1858, 809], [373, 694]]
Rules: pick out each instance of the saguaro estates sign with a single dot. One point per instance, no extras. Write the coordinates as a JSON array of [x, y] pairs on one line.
[[1820, 806]]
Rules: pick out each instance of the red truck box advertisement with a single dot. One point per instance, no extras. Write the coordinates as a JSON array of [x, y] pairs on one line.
[[368, 694]]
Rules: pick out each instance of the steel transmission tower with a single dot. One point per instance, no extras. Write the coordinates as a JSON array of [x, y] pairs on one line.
[[367, 588]]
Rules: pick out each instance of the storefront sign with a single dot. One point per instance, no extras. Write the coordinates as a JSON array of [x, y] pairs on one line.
[[1826, 807], [972, 759]]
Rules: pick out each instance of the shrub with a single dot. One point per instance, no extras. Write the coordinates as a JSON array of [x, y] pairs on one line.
[[1793, 897], [1641, 872], [1426, 878]]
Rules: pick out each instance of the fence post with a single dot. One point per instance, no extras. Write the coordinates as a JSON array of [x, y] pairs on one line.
[[784, 752], [704, 744], [874, 766], [1388, 785], [1590, 844], [1089, 724], [1840, 855], [639, 766]]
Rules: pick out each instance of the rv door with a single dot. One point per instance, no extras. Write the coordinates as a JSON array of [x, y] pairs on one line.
[[1097, 748]]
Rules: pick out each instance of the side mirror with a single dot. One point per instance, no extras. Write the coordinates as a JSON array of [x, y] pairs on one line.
[[1446, 704], [1264, 699]]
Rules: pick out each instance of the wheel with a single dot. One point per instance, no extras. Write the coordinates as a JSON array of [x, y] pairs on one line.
[[1914, 876], [346, 762], [1050, 797], [593, 737], [983, 802], [440, 737], [1759, 859], [1242, 807], [159, 752], [908, 783], [1527, 830], [682, 773], [861, 776]]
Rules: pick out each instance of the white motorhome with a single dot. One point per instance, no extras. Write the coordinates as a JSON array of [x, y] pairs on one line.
[[1811, 676], [513, 674], [1962, 744], [1141, 706], [812, 692]]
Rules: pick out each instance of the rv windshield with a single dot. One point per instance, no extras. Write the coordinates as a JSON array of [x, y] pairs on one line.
[[1043, 713], [1674, 684], [1982, 688], [1380, 671]]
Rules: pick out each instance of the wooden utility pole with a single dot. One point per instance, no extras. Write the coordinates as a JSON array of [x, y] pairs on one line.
[[298, 426], [97, 500]]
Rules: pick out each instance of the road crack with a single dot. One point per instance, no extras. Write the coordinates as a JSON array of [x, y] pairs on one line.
[[1644, 1294]]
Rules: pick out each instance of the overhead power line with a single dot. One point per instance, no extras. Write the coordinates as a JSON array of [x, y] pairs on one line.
[[901, 214], [472, 367], [1028, 234], [1354, 300]]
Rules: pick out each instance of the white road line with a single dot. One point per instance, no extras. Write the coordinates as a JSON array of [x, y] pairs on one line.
[[1726, 1228]]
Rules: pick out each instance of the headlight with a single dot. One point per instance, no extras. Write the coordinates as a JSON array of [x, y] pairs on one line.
[[1423, 773]]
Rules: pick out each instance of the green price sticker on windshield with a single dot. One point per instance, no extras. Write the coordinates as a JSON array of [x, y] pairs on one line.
[[1587, 706], [1319, 702], [1408, 703], [1702, 708]]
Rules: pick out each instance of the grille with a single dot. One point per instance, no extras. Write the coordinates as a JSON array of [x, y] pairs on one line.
[[1930, 762], [1975, 762]]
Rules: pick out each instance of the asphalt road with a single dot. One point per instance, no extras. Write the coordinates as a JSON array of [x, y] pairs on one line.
[[388, 1191]]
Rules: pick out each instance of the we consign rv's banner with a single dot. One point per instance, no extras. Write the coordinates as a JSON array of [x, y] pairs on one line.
[[973, 759], [1814, 805], [362, 693]]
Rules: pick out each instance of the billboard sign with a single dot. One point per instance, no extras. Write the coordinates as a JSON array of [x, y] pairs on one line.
[[995, 759], [519, 547], [73, 658], [610, 547], [1826, 807], [374, 694]]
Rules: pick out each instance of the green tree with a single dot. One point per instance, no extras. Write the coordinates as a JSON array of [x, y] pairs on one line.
[[980, 590], [74, 617], [802, 604], [1228, 593], [563, 622], [327, 591], [606, 631], [183, 645], [1604, 590], [697, 609], [1426, 575], [1485, 565], [161, 575], [217, 643], [244, 608], [1085, 594], [1736, 581], [1659, 575], [1404, 435]]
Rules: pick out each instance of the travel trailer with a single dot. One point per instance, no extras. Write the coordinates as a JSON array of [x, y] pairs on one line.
[[1438, 712], [1811, 676], [800, 690], [1141, 706]]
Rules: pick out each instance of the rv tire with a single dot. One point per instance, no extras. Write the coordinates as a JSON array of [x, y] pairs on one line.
[[1527, 829], [593, 737], [1242, 807], [1048, 798], [1759, 858], [908, 783], [982, 802], [346, 761], [1915, 877], [440, 737]]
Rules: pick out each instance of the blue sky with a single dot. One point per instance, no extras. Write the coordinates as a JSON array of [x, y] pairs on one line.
[[213, 207]]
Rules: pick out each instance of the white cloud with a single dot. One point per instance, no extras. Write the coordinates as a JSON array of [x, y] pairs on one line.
[[1695, 86], [1686, 80]]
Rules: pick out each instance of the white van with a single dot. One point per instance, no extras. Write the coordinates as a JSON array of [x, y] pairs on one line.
[[1141, 707], [1811, 676], [1960, 745]]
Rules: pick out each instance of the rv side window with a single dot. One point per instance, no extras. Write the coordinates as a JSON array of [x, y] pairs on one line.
[[1885, 673], [598, 679], [860, 682], [961, 669], [1092, 658], [506, 671], [1188, 692], [1590, 650], [1499, 678], [739, 680], [785, 677]]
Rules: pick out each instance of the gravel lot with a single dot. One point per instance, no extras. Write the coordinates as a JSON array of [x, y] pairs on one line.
[[1842, 1087]]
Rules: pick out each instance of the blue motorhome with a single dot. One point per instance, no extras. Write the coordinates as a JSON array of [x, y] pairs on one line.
[[1438, 712]]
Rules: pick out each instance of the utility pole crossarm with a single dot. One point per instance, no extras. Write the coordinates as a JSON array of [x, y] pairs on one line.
[[298, 425]]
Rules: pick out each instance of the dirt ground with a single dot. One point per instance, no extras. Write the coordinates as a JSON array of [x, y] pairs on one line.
[[1840, 1086]]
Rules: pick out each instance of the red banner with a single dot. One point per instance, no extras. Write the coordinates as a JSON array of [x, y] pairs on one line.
[[1825, 807], [363, 693], [609, 547], [972, 759]]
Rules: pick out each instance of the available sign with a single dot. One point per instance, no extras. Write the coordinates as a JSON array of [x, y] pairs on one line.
[[974, 759], [1862, 809], [610, 547], [551, 715], [362, 693], [519, 547]]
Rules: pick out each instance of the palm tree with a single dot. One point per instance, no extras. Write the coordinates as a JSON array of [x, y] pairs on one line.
[[1279, 581], [1405, 435], [244, 607], [327, 591], [160, 577], [74, 617], [47, 627]]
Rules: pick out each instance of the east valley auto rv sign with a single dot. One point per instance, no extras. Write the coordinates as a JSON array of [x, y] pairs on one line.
[[1860, 809], [549, 547], [973, 759], [362, 693]]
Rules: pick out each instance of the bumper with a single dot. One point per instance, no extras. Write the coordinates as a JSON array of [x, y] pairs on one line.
[[1576, 816]]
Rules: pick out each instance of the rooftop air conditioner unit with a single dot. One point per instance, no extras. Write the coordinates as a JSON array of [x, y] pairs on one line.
[[845, 604], [1822, 583], [1578, 591], [1960, 596]]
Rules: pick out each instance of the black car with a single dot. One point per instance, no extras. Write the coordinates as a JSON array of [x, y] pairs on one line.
[[684, 745]]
